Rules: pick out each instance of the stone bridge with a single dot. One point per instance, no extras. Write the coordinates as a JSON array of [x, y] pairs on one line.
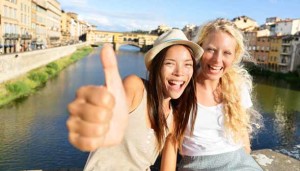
[[142, 41]]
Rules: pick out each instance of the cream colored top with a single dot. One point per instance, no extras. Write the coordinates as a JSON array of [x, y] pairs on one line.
[[138, 150]]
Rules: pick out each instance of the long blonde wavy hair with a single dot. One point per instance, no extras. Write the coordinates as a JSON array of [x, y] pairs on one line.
[[237, 118]]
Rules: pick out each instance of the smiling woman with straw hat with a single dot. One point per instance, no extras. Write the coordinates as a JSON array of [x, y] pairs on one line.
[[156, 107]]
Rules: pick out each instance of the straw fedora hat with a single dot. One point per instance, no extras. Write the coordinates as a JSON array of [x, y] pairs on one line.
[[169, 38]]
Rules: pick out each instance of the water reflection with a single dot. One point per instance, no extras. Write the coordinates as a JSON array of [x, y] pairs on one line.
[[280, 108], [269, 96], [285, 123]]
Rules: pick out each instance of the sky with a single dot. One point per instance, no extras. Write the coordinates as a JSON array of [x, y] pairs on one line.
[[130, 15]]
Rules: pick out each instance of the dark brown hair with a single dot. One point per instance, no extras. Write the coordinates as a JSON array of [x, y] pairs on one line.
[[183, 107]]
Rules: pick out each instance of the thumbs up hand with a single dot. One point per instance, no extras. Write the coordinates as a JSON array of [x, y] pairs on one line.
[[99, 114]]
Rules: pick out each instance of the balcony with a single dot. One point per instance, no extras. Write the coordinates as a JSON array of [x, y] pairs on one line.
[[26, 37], [52, 38], [287, 53], [63, 33], [284, 61], [11, 36], [283, 64], [286, 43]]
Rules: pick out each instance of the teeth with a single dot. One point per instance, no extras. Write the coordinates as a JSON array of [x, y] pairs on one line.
[[176, 82], [216, 68]]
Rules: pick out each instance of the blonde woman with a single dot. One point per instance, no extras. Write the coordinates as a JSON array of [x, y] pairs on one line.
[[219, 139]]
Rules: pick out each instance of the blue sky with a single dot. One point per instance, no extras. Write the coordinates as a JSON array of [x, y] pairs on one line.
[[128, 15]]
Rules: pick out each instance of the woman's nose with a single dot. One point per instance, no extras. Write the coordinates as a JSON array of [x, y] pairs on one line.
[[218, 56], [178, 70]]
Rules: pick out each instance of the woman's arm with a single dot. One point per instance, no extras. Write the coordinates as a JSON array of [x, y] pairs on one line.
[[169, 155], [134, 89]]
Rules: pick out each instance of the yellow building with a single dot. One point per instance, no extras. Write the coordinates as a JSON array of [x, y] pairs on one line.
[[25, 24], [262, 51], [101, 36], [251, 38], [53, 23], [65, 28], [245, 23], [274, 53], [162, 28], [143, 41], [34, 24], [38, 23], [15, 24], [74, 26], [73, 29], [10, 32]]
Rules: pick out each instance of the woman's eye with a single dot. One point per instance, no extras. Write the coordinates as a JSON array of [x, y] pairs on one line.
[[189, 65], [210, 49], [168, 63], [228, 53]]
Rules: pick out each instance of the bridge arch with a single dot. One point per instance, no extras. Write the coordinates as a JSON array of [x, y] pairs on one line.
[[143, 41], [118, 45], [136, 48]]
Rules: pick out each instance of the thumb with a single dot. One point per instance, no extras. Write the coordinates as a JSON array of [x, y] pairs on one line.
[[113, 79], [114, 85]]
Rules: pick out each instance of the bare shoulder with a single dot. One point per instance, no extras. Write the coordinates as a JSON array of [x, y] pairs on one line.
[[133, 82], [134, 88]]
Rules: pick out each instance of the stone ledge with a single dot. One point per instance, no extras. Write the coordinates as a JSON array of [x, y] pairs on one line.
[[270, 160]]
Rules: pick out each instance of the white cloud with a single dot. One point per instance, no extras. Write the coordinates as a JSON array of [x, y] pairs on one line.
[[122, 21], [139, 24], [97, 19], [121, 24], [113, 20]]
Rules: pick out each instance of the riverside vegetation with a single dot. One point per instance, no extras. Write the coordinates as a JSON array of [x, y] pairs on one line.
[[289, 77], [30, 82]]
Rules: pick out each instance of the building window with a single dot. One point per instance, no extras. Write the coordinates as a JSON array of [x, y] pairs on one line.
[[5, 11], [15, 13], [283, 60], [10, 12]]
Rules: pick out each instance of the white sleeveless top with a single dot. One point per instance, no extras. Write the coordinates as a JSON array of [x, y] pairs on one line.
[[209, 136]]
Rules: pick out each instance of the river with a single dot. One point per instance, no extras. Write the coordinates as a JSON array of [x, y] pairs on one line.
[[33, 132]]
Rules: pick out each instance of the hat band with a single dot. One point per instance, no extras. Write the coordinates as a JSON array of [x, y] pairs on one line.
[[170, 40]]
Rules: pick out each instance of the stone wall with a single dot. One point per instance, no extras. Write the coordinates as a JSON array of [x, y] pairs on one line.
[[16, 64]]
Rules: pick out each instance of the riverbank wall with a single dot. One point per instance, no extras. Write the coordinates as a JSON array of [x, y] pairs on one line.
[[16, 64]]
